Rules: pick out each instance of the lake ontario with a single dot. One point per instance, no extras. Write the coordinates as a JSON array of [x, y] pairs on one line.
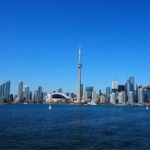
[[34, 126]]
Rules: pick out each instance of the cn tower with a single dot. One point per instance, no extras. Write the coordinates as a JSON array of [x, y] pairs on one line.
[[79, 77]]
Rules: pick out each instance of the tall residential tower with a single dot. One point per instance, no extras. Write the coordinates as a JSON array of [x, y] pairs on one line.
[[20, 89], [79, 77]]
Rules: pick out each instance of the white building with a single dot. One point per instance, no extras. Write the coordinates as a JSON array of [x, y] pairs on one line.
[[84, 96], [131, 97], [57, 98], [140, 95], [94, 96], [102, 99], [115, 85], [113, 98]]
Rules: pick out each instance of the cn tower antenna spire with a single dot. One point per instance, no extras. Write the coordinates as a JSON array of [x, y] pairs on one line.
[[79, 54]]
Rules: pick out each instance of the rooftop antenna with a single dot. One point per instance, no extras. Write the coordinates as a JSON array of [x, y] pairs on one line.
[[79, 53]]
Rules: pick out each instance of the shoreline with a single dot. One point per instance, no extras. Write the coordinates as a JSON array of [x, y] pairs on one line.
[[136, 104]]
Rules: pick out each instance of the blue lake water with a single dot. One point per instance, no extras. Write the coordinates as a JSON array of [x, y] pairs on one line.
[[74, 127]]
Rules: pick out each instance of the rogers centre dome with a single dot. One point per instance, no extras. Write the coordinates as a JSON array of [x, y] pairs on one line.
[[57, 98]]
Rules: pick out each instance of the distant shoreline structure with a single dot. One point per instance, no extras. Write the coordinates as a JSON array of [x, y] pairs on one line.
[[102, 104]]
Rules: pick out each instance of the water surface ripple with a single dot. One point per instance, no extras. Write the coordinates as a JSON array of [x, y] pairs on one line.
[[74, 127]]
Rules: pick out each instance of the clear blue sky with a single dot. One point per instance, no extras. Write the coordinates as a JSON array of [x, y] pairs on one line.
[[39, 41]]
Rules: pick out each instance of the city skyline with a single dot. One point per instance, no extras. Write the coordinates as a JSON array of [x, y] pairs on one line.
[[40, 40], [128, 93]]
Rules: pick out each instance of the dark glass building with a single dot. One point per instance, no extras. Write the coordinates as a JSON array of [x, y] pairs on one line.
[[89, 92], [121, 88], [108, 95]]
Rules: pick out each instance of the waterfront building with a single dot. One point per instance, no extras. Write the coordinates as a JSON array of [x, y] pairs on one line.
[[130, 85], [124, 97], [114, 86], [23, 95], [138, 86], [148, 96], [31, 95], [131, 97], [108, 95], [1, 93], [100, 92], [68, 93], [60, 90], [94, 96], [40, 94], [57, 98], [102, 99], [79, 77], [11, 97], [117, 94], [20, 89], [5, 91], [121, 88], [85, 96], [89, 92], [35, 96], [120, 98], [141, 95], [26, 93], [145, 95], [71, 96], [113, 98], [44, 94]]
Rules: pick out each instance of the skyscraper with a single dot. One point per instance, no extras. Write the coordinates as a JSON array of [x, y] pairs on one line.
[[60, 90], [89, 90], [114, 86], [35, 96], [141, 95], [27, 93], [113, 98], [79, 77], [131, 97], [132, 83], [20, 89], [5, 91], [40, 94], [84, 96], [130, 86], [94, 96], [120, 98], [107, 94]]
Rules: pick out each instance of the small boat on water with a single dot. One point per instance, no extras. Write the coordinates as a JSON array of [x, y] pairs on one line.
[[50, 107], [91, 103]]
